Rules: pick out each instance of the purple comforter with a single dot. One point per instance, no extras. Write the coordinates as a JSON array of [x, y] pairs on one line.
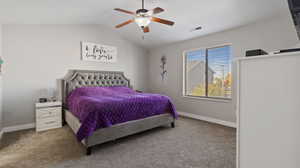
[[99, 107]]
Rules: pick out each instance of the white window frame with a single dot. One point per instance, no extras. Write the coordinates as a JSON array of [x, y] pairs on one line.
[[221, 99]]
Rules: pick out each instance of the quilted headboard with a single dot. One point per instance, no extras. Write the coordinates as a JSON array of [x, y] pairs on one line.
[[80, 78]]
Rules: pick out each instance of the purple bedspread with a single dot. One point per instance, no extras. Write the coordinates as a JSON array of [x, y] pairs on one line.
[[99, 107]]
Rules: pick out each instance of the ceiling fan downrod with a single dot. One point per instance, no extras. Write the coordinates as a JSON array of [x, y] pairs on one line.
[[143, 10]]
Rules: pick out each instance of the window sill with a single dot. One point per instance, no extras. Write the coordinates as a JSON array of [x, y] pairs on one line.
[[223, 100]]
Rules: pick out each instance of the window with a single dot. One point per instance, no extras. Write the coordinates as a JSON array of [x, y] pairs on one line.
[[208, 72]]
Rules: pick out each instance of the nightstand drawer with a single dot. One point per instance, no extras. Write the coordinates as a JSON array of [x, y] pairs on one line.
[[48, 123], [48, 112], [48, 115]]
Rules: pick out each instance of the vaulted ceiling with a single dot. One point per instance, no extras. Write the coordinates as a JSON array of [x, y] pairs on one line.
[[212, 15]]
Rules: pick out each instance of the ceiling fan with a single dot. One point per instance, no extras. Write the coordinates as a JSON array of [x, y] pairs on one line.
[[143, 17]]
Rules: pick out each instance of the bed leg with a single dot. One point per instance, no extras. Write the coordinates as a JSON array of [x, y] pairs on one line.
[[88, 151], [173, 124], [64, 123]]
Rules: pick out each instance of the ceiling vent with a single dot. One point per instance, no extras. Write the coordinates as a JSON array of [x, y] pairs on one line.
[[197, 28]]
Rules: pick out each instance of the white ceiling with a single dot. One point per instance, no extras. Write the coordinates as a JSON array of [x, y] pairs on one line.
[[212, 15]]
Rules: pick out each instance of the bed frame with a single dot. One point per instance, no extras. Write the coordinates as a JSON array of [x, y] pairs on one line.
[[80, 78]]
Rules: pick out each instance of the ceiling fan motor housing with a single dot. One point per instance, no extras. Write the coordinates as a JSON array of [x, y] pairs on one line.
[[141, 11]]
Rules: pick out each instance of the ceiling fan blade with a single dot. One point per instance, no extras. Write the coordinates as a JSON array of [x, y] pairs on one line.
[[163, 21], [146, 29], [157, 10], [125, 23], [124, 11]]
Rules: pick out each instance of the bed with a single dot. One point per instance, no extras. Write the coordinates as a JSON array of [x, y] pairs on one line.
[[87, 95]]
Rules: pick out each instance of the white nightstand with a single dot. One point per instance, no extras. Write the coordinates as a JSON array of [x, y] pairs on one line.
[[48, 115]]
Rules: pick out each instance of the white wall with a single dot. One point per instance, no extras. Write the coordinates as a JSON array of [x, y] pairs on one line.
[[36, 55], [272, 34]]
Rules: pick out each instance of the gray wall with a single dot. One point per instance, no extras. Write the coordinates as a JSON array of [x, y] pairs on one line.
[[36, 55], [1, 115], [272, 34]]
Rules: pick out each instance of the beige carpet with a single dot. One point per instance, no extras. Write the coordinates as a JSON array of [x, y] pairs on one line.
[[192, 144]]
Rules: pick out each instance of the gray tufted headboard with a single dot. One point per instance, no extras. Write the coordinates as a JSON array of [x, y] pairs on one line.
[[80, 78]]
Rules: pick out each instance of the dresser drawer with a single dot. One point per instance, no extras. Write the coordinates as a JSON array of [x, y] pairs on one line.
[[48, 112]]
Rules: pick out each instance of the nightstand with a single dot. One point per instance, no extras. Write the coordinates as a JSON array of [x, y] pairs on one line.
[[48, 115]]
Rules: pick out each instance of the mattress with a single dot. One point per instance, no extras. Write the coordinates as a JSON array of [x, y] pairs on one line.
[[101, 107], [118, 130], [72, 121]]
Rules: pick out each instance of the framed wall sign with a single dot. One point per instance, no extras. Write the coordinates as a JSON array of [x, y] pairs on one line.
[[98, 52]]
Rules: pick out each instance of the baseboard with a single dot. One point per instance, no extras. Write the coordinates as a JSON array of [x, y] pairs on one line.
[[208, 119], [18, 127], [1, 133]]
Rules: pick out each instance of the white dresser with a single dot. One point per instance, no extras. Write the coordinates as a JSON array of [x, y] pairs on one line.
[[269, 111], [48, 115]]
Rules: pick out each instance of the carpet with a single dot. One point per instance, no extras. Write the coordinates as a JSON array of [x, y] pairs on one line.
[[191, 144]]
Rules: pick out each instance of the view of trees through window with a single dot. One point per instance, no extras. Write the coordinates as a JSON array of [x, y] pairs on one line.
[[208, 72]]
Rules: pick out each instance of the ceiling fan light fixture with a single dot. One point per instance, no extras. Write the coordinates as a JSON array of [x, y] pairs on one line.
[[142, 21], [143, 17]]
